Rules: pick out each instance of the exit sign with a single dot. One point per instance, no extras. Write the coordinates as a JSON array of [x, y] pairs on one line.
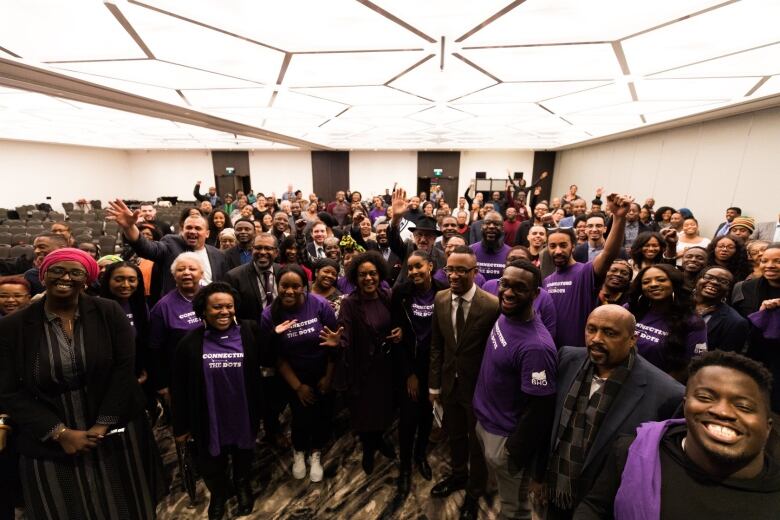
[[437, 172]]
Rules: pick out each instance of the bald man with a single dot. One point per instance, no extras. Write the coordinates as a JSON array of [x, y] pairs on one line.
[[604, 390]]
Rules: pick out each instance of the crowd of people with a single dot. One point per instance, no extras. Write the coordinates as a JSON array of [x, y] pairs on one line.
[[600, 359]]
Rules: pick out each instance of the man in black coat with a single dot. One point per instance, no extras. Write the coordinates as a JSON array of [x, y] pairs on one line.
[[604, 390], [193, 235], [241, 253]]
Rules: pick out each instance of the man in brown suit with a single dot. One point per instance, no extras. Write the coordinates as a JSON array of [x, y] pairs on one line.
[[462, 319]]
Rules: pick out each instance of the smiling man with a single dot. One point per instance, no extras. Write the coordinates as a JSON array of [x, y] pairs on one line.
[[604, 390], [717, 463]]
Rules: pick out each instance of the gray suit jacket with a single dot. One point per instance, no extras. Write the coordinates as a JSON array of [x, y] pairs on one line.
[[764, 231], [647, 395], [462, 357]]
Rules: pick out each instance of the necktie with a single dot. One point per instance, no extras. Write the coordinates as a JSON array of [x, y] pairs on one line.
[[269, 293], [320, 252], [460, 318]]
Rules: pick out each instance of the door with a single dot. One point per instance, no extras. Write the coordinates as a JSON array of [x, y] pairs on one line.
[[330, 173], [231, 172], [449, 164]]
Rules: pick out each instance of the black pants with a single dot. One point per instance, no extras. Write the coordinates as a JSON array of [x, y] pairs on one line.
[[274, 401], [466, 455], [416, 418], [310, 425], [214, 470], [370, 441]]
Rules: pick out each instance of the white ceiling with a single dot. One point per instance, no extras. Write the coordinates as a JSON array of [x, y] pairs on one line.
[[388, 74]]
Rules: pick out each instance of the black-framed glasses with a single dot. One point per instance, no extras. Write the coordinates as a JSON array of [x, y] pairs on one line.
[[458, 270], [59, 272], [723, 282]]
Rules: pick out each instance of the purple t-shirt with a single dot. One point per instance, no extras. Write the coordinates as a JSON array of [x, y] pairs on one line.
[[543, 305], [441, 276], [376, 213], [651, 333], [300, 344], [170, 319], [129, 313], [520, 360], [491, 265], [573, 292], [226, 400], [421, 317]]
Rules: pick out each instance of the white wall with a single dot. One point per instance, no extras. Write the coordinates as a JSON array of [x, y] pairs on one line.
[[167, 173], [273, 171], [371, 173], [30, 172], [705, 167], [494, 163]]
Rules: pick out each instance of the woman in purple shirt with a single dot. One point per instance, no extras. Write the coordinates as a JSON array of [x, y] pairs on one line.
[[217, 395], [303, 329], [669, 333]]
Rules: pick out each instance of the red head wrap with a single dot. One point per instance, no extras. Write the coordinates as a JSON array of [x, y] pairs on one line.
[[70, 254]]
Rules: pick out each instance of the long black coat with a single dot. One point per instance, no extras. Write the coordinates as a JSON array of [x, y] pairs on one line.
[[112, 389]]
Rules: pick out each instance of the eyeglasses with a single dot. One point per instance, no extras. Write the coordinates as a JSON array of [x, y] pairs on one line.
[[458, 270], [724, 282], [59, 272], [266, 249]]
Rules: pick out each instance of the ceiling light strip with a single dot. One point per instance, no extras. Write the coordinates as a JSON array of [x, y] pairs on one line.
[[204, 25], [127, 26], [525, 45], [394, 18], [680, 19], [10, 53], [729, 54], [428, 57], [757, 86], [490, 20], [474, 65], [27, 77]]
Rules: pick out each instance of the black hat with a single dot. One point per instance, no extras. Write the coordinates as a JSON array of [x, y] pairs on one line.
[[425, 224]]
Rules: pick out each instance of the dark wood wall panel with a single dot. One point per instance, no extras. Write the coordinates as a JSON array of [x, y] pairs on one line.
[[224, 183], [330, 173], [449, 162], [544, 162]]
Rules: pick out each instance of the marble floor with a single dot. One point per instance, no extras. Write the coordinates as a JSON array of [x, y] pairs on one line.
[[346, 492]]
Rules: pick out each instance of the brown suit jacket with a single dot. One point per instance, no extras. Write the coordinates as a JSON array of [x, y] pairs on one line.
[[463, 357]]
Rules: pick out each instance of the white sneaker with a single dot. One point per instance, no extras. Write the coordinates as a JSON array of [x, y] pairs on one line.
[[315, 473], [299, 465]]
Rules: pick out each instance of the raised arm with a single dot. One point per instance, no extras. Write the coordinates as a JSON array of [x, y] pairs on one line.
[[619, 206], [399, 205], [126, 218], [196, 192]]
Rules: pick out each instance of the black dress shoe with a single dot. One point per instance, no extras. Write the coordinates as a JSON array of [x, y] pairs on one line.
[[470, 509], [404, 484], [448, 486], [424, 468], [217, 507], [386, 449], [246, 500], [368, 462]]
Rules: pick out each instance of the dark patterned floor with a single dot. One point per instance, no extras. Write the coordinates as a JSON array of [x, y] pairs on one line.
[[345, 492]]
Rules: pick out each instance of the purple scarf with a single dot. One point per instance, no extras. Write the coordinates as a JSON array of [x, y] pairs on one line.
[[768, 322], [639, 494]]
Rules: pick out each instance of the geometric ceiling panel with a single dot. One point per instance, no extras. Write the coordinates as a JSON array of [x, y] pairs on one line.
[[430, 81], [704, 37], [206, 49], [356, 68], [358, 74], [548, 63], [156, 73], [528, 92], [41, 30], [757, 62], [559, 21]]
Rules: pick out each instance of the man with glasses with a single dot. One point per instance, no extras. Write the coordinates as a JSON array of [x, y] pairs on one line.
[[491, 251], [463, 316], [595, 227]]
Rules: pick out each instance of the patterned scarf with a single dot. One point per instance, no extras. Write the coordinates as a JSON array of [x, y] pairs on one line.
[[580, 421]]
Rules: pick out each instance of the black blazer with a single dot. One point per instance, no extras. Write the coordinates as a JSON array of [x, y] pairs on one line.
[[727, 330], [165, 252], [647, 395], [580, 253], [187, 392], [244, 280], [233, 257], [113, 390]]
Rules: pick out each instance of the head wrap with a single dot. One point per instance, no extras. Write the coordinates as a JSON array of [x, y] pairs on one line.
[[228, 232], [108, 260], [70, 254], [350, 244], [745, 222]]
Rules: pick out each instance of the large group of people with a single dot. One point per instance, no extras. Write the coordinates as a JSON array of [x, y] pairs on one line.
[[600, 359]]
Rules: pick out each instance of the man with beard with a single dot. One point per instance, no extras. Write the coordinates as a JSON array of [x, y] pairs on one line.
[[424, 235], [316, 248], [149, 215], [491, 251], [595, 228], [413, 210], [514, 397], [280, 228], [634, 226], [463, 224], [43, 244], [339, 208], [449, 228], [573, 286], [616, 283], [241, 253], [578, 207], [540, 210], [604, 391], [511, 226], [693, 261], [723, 228], [717, 463], [192, 237]]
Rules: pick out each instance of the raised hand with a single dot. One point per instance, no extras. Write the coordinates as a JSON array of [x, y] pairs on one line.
[[118, 211], [398, 203], [619, 204], [599, 192], [284, 326], [330, 338]]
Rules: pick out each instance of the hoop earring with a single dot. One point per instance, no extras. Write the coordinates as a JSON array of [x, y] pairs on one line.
[[672, 295]]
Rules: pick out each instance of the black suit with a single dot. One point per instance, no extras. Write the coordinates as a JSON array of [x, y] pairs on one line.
[[245, 280], [727, 330], [165, 252], [233, 257], [648, 394]]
